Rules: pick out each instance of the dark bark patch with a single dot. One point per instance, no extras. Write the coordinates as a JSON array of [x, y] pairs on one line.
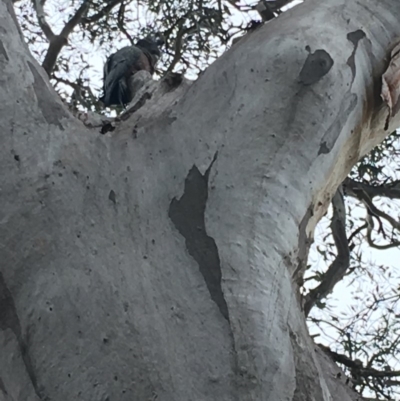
[[112, 197], [3, 51], [354, 37], [315, 67], [51, 110], [11, 11], [187, 214], [332, 134], [9, 320]]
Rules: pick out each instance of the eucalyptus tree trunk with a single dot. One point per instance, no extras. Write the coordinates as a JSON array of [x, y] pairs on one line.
[[157, 258]]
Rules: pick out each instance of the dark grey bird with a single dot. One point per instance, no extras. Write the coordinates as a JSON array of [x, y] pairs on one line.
[[122, 65]]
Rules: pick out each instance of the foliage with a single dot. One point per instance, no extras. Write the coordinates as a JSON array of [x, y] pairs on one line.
[[195, 34]]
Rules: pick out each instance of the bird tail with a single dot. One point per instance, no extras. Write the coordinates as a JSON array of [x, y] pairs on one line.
[[116, 93]]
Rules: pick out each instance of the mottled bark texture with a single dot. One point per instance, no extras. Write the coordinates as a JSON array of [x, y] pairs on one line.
[[156, 261]]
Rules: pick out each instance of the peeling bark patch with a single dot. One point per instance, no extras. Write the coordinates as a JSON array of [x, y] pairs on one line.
[[315, 67], [51, 110], [9, 320], [304, 243], [3, 51], [187, 214], [390, 92], [354, 38], [332, 134]]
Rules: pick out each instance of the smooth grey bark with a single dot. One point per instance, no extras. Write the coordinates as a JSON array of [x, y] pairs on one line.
[[157, 261]]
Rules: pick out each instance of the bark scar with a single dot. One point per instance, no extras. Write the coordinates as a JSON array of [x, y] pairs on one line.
[[187, 214], [3, 51], [317, 65]]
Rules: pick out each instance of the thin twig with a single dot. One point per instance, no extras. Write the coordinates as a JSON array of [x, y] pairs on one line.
[[102, 13]]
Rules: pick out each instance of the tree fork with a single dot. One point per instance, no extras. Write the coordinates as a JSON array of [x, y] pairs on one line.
[[101, 294]]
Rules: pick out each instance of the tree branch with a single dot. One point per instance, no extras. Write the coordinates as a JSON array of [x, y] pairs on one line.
[[357, 364], [59, 41], [339, 266], [45, 27], [391, 191], [178, 45]]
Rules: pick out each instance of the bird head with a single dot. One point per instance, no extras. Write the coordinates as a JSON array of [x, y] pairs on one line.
[[151, 45]]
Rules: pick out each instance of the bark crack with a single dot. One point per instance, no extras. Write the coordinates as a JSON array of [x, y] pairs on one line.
[[9, 320], [52, 111], [3, 51], [187, 214], [307, 376]]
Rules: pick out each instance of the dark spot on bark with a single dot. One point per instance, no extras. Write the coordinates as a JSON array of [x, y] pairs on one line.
[[51, 110], [354, 38], [3, 51], [187, 214], [315, 67], [107, 127], [16, 158], [9, 320], [331, 135], [105, 340], [112, 197]]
